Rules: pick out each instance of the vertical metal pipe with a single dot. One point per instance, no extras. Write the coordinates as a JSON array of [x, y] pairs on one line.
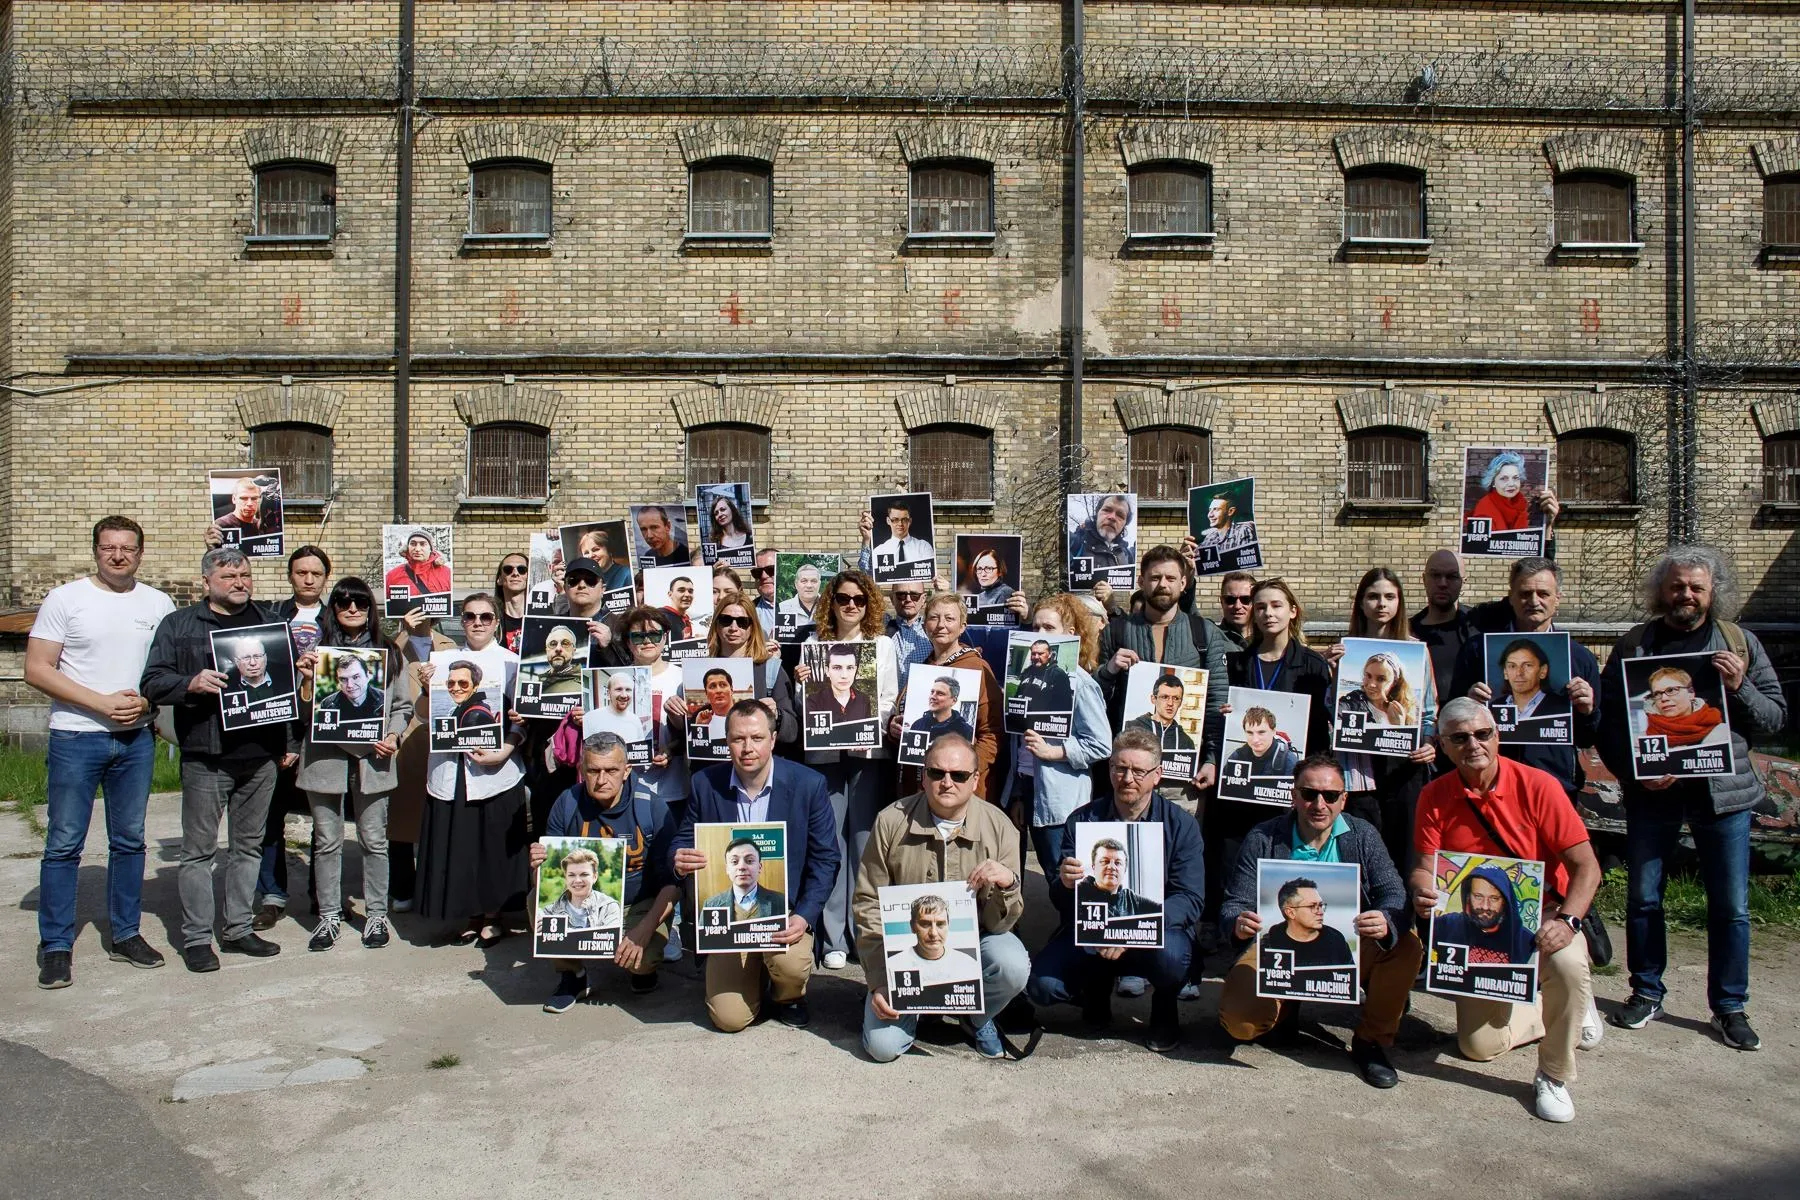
[[403, 192], [1076, 319], [1684, 525]]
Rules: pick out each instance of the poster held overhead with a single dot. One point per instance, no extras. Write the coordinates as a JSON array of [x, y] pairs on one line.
[[1222, 520], [1102, 539], [417, 565], [603, 543], [726, 533], [659, 535], [903, 551], [1503, 512], [988, 567], [246, 510]]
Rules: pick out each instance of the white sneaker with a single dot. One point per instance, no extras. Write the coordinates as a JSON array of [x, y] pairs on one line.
[[1190, 991], [836, 960], [1553, 1100], [1592, 1027], [672, 951], [1132, 985]]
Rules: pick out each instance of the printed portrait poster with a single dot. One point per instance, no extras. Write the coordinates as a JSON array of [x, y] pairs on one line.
[[726, 531], [685, 594], [258, 664], [988, 566], [839, 699], [1040, 696], [1222, 518], [553, 651], [1169, 704], [246, 510], [1380, 696], [1679, 723], [1102, 532], [1119, 902], [931, 940], [579, 898], [659, 535], [620, 702], [1528, 676], [1483, 941], [1306, 947], [349, 696], [468, 698], [711, 686], [417, 562], [938, 700], [742, 889], [903, 550], [1265, 740], [605, 544], [1503, 488], [800, 582], [544, 580]]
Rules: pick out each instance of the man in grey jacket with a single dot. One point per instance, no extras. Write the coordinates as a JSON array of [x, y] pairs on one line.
[[1689, 594]]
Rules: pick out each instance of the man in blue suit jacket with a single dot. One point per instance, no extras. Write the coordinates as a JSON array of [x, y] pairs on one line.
[[757, 786]]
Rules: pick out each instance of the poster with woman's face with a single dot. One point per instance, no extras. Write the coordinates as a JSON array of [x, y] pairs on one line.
[[1503, 490], [1380, 696], [726, 536], [987, 575], [1679, 724]]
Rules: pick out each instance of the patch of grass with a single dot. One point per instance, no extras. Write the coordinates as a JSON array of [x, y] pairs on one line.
[[1774, 901], [444, 1062], [165, 776], [24, 778]]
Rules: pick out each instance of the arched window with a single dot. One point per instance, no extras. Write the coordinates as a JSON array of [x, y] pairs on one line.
[[1167, 461], [296, 201], [1595, 208], [1387, 464], [1596, 466], [1384, 203], [509, 461], [730, 197], [953, 462], [1169, 199], [953, 197], [509, 199], [729, 454], [303, 455]]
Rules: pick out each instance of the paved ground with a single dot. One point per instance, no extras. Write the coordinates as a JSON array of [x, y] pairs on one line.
[[311, 1075]]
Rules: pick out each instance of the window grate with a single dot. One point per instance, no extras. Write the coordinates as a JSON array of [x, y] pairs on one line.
[[953, 464], [1781, 211], [951, 200], [301, 452], [729, 454], [1166, 462], [296, 202], [509, 201], [509, 462], [1168, 200], [729, 200], [1384, 205], [1595, 468], [1593, 209], [1388, 466], [1781, 469]]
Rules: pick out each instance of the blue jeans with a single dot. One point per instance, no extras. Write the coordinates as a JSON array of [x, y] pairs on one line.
[[1063, 969], [1046, 842], [81, 763], [1005, 966], [1652, 825]]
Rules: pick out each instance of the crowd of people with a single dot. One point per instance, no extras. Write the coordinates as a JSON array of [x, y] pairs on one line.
[[454, 838]]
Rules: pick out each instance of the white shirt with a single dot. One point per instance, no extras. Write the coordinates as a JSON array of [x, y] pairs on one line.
[[105, 637], [906, 550], [954, 967]]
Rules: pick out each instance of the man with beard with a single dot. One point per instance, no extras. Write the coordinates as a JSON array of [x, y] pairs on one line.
[[1690, 592], [1489, 922], [562, 674], [1045, 685], [1269, 756], [666, 550], [1304, 933], [1160, 722], [422, 570], [1105, 536]]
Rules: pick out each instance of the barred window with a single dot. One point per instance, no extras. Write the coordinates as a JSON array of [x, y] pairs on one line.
[[296, 201], [509, 462], [303, 455], [1594, 208], [953, 463], [509, 199], [730, 198], [1596, 466], [1387, 464], [951, 198], [1384, 203], [729, 454], [1166, 462], [1781, 469], [1781, 210], [1169, 199]]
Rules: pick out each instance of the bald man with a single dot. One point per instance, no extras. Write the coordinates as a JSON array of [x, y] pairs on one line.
[[1443, 624]]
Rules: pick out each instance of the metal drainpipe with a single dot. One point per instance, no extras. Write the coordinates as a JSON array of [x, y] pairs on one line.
[[403, 189], [1077, 300], [1684, 514]]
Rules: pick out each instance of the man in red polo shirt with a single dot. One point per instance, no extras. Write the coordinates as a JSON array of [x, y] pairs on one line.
[[1531, 814]]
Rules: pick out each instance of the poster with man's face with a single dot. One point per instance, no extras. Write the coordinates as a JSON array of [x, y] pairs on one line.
[[1222, 520], [467, 701], [1168, 703], [1265, 739], [621, 701], [1040, 697], [545, 578], [258, 664], [578, 898], [839, 698], [1119, 901], [1483, 940], [1503, 491], [1528, 682], [742, 889], [711, 686], [349, 696], [988, 568], [246, 510], [1102, 530], [1307, 946], [553, 652], [686, 594], [605, 544], [939, 700], [1679, 722], [416, 559], [931, 947], [659, 535], [726, 532], [903, 551], [800, 582], [1380, 696]]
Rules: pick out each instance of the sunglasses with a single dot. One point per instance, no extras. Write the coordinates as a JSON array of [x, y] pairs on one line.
[[909, 596], [848, 600], [1234, 601], [360, 603], [761, 572], [937, 773], [1470, 735], [513, 569], [1329, 796], [479, 618], [732, 622], [582, 579], [645, 637]]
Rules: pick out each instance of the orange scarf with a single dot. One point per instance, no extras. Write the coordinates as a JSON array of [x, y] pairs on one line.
[[1686, 730]]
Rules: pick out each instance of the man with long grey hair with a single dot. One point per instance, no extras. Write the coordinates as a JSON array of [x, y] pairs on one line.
[[1689, 594]]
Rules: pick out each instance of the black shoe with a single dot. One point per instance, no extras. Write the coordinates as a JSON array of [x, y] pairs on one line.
[[795, 1015], [643, 984], [267, 917], [136, 951], [569, 991], [1636, 1012], [1286, 1033], [250, 944], [200, 959], [1372, 1062], [55, 971], [375, 933], [1019, 1017], [1734, 1027], [1165, 1022], [325, 936]]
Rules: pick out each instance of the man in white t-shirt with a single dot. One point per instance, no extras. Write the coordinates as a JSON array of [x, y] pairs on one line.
[[86, 653]]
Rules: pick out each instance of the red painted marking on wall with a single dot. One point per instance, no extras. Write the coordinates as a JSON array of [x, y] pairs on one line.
[[292, 311], [1171, 314], [511, 312], [1385, 306], [952, 309], [1590, 315], [733, 312]]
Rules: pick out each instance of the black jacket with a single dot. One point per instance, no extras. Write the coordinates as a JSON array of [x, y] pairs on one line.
[[1561, 761], [1382, 888], [180, 650]]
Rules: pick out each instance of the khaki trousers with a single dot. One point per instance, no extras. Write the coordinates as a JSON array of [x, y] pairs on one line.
[[1486, 1029], [1387, 977], [734, 982]]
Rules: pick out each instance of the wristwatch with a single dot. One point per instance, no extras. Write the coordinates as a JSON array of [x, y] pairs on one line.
[[1572, 922]]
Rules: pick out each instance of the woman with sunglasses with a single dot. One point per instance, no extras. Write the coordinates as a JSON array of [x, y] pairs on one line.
[[353, 779], [645, 637], [511, 583], [860, 782], [473, 844], [736, 633]]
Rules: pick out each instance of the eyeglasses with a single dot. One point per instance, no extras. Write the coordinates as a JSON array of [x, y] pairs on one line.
[[360, 603], [514, 569], [1317, 906], [732, 622], [761, 572], [937, 773], [1126, 771], [1470, 735], [1659, 693], [645, 637], [899, 596], [1329, 796], [479, 618], [850, 600]]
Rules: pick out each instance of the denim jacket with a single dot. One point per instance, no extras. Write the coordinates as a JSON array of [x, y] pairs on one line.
[[1059, 788]]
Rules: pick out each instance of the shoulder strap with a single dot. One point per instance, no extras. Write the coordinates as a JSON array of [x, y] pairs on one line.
[[1200, 629], [1491, 831], [1735, 640], [1629, 644]]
